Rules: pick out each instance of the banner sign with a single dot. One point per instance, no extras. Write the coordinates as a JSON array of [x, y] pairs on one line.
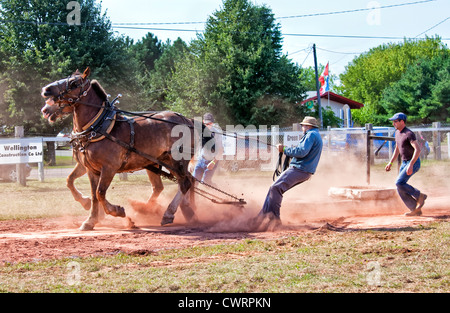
[[21, 150], [292, 139]]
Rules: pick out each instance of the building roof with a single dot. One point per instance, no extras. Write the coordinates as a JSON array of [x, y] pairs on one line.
[[337, 98]]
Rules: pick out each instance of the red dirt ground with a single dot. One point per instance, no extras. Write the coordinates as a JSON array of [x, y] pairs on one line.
[[47, 239]]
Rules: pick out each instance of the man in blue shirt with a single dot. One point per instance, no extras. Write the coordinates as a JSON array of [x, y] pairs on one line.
[[305, 158]]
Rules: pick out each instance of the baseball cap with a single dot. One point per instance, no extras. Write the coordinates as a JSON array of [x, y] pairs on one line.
[[398, 116]]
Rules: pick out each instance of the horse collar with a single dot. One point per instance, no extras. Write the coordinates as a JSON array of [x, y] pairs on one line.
[[103, 122]]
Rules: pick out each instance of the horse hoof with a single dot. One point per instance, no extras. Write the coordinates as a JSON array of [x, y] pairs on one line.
[[86, 226], [121, 212], [117, 211], [166, 220]]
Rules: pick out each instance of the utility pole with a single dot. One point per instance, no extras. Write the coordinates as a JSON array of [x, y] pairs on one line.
[[317, 86]]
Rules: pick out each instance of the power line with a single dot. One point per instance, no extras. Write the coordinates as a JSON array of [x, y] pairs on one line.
[[355, 36], [201, 31], [162, 29], [282, 17], [337, 52], [310, 50], [139, 26], [304, 49], [433, 26], [156, 23], [285, 34], [354, 10]]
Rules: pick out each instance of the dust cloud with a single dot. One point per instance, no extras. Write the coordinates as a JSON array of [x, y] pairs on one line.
[[302, 204]]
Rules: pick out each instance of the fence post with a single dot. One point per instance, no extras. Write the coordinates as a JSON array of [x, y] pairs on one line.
[[21, 179], [448, 145], [41, 172], [437, 141], [275, 139], [391, 144], [369, 128]]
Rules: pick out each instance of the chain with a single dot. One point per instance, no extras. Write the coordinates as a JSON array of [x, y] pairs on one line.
[[219, 190], [213, 198]]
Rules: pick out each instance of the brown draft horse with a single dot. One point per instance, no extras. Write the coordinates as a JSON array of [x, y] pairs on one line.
[[107, 143], [79, 170]]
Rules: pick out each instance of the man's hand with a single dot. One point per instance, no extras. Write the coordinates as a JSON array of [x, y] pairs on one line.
[[211, 165], [280, 148], [388, 167], [409, 170]]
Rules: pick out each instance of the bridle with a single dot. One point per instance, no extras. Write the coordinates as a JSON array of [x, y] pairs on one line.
[[65, 98]]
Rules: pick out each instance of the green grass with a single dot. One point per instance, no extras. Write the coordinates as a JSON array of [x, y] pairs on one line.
[[52, 198], [64, 161], [411, 259], [408, 260]]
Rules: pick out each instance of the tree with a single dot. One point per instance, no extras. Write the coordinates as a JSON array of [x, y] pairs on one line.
[[238, 66], [422, 92], [146, 51], [186, 90], [367, 76], [164, 70], [38, 46]]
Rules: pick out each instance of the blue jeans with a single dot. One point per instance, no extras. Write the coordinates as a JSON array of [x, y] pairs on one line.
[[201, 171], [407, 193], [287, 180]]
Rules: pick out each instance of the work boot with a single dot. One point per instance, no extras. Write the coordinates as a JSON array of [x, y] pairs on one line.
[[416, 212], [265, 222], [274, 224], [421, 200], [254, 224]]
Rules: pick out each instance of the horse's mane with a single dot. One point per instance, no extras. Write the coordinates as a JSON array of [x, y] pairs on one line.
[[99, 89], [96, 86]]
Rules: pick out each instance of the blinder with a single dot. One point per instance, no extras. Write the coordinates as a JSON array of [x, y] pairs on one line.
[[61, 98]]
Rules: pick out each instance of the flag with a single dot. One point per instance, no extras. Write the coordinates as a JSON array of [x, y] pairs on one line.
[[324, 80]]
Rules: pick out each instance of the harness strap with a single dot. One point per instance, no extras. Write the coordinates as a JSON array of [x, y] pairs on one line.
[[127, 155], [143, 154]]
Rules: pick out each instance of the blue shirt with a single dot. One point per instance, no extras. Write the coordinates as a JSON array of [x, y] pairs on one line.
[[306, 155]]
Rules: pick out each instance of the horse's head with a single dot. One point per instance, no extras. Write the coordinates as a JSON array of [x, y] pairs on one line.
[[61, 95]]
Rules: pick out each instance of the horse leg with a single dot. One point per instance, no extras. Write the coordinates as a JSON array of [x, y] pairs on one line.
[[169, 215], [77, 172], [157, 187], [184, 200], [187, 204], [90, 222], [106, 177]]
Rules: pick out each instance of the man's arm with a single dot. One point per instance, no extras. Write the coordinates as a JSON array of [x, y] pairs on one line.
[[416, 155], [302, 149], [393, 158]]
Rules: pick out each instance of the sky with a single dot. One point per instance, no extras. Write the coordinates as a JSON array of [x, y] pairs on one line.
[[336, 34]]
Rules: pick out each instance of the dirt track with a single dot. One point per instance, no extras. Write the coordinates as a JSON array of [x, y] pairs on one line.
[[47, 239]]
